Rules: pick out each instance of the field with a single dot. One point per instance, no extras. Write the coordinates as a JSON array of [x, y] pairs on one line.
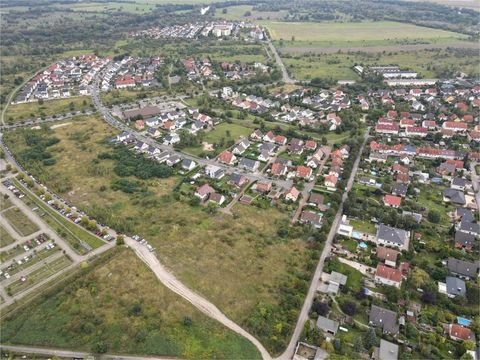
[[5, 203], [5, 237], [338, 66], [35, 110], [239, 263], [362, 33], [238, 13], [20, 222], [121, 305]]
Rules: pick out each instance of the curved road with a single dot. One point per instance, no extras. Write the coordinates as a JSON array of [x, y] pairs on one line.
[[289, 352]]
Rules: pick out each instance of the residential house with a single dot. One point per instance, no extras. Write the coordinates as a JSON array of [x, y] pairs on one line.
[[279, 169], [386, 351], [204, 191], [383, 319], [316, 200], [392, 201], [388, 256], [468, 227], [226, 157], [217, 198], [241, 147], [335, 282], [214, 172], [399, 189], [238, 180], [295, 146], [455, 196], [390, 236], [331, 182], [452, 287], [153, 132], [173, 160], [463, 269], [292, 194], [459, 333], [311, 218], [188, 164], [171, 139], [263, 186], [304, 172], [326, 325], [248, 164], [388, 276]]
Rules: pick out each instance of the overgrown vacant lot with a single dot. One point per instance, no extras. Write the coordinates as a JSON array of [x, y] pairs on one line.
[[379, 32], [5, 237], [239, 262], [19, 221], [35, 110], [119, 306]]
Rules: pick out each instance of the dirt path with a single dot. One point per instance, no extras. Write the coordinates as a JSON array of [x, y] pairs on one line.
[[171, 282]]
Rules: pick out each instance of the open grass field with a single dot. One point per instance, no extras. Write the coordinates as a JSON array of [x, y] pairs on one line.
[[363, 226], [5, 237], [428, 63], [237, 262], [19, 221], [39, 275], [120, 304], [367, 32], [35, 110]]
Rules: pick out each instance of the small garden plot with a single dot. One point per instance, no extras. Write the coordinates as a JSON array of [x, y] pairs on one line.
[[20, 222], [38, 275], [5, 238]]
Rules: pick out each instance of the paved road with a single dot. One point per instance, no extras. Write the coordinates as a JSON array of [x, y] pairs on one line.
[[475, 182], [285, 77], [288, 353], [76, 354]]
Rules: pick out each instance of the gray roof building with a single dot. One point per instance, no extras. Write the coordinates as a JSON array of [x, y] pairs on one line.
[[384, 319], [399, 189], [455, 196], [462, 268], [248, 164], [455, 286], [463, 239], [469, 227], [327, 325], [392, 236], [387, 350]]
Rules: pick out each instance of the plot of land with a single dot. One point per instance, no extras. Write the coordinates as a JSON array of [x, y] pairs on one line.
[[35, 110], [123, 301], [5, 203], [38, 275], [5, 237], [20, 222], [239, 263], [355, 33]]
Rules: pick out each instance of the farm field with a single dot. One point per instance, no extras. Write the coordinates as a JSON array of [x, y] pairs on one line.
[[19, 112], [239, 265], [19, 221], [238, 13], [362, 33], [133, 312], [338, 66]]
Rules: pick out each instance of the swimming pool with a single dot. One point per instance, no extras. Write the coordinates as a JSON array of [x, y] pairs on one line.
[[463, 321]]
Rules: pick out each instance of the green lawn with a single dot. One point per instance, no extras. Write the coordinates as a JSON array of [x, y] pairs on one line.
[[5, 237], [120, 304], [19, 112], [364, 226], [20, 222], [354, 276]]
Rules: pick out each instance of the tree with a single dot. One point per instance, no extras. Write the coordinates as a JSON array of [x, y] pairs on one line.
[[247, 14], [433, 216], [224, 11], [358, 345], [370, 338], [321, 308], [349, 308], [120, 240]]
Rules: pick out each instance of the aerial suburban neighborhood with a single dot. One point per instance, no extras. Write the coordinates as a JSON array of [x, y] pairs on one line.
[[240, 180]]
